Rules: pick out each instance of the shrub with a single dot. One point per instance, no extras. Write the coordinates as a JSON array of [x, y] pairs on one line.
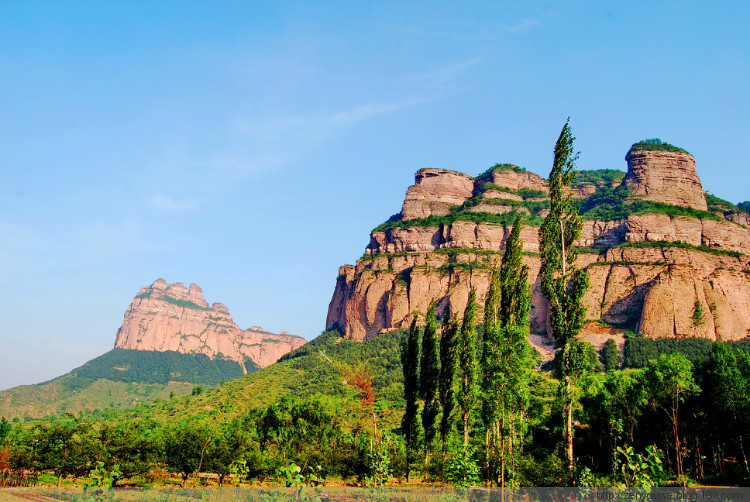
[[655, 144], [501, 167], [610, 356]]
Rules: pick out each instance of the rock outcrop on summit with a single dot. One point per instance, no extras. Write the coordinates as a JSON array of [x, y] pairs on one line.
[[170, 317], [668, 264], [664, 176]]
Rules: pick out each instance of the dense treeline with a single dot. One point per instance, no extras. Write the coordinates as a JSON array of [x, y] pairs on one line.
[[640, 350], [622, 417]]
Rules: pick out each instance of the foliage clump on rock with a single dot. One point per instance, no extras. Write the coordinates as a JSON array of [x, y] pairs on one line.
[[655, 144]]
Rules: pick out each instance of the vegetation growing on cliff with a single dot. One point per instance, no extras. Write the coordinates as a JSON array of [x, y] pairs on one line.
[[724, 206], [526, 193], [655, 144], [604, 177], [501, 167], [681, 245], [457, 215], [608, 204]]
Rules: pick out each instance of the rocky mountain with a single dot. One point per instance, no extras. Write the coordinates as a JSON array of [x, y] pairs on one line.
[[170, 317], [171, 340], [665, 259]]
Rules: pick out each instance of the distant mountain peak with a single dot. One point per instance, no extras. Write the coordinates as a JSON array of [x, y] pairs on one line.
[[170, 317]]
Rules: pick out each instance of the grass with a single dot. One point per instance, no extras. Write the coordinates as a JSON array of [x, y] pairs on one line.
[[725, 206], [681, 245]]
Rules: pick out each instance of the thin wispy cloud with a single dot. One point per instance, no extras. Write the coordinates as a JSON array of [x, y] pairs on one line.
[[160, 201], [264, 143], [521, 26], [442, 75]]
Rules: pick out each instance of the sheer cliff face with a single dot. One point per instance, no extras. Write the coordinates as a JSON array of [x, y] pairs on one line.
[[668, 177], [170, 317], [655, 289]]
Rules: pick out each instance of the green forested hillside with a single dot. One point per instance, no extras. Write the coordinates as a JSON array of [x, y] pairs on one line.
[[309, 411], [116, 380], [316, 368]]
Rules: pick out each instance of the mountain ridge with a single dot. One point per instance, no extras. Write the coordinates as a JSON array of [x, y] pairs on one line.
[[171, 340], [170, 317], [662, 252]]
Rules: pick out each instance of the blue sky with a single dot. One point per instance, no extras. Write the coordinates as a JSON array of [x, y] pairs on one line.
[[250, 147]]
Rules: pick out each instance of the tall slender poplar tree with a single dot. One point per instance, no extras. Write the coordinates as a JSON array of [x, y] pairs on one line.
[[562, 283], [447, 381], [467, 361], [515, 361], [429, 376], [490, 374], [505, 357], [410, 422]]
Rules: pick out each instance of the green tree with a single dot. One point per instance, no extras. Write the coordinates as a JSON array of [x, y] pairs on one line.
[[563, 284], [4, 429], [185, 446], [610, 356], [490, 371], [447, 380], [669, 380], [128, 445], [516, 360], [729, 401], [60, 447], [622, 400], [506, 360], [467, 360], [429, 376], [410, 364], [515, 293], [228, 446]]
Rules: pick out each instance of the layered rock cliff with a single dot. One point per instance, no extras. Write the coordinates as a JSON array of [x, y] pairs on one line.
[[665, 267], [170, 317]]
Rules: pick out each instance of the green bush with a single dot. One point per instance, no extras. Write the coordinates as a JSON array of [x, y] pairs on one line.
[[501, 167], [610, 355], [608, 204], [655, 144]]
